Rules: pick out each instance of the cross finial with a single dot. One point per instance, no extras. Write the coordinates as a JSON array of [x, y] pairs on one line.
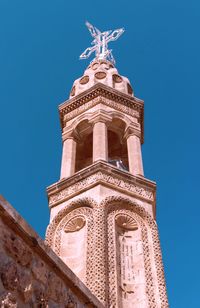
[[100, 42]]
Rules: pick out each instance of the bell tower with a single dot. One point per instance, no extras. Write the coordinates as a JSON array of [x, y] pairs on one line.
[[102, 210]]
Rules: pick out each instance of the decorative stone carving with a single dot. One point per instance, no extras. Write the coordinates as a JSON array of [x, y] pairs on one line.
[[113, 210], [85, 202], [99, 176], [120, 205], [100, 271], [83, 213], [126, 222], [75, 224], [125, 212], [106, 95], [106, 101]]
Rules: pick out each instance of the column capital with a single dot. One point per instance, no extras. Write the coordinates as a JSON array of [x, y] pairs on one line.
[[70, 134], [132, 131], [100, 117]]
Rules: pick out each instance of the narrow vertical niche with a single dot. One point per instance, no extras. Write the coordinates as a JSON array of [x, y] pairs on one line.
[[73, 245], [130, 263]]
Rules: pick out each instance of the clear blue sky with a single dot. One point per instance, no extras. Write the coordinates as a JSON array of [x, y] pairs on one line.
[[40, 42]]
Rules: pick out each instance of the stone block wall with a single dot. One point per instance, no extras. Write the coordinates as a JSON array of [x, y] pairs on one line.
[[31, 274]]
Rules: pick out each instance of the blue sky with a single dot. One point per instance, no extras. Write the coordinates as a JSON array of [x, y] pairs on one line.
[[40, 42]]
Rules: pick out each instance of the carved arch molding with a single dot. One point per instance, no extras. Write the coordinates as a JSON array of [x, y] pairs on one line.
[[100, 238]]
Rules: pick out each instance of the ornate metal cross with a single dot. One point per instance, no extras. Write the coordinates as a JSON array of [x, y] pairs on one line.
[[100, 42]]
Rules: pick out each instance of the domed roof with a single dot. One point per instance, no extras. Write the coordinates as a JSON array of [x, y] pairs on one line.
[[102, 71]]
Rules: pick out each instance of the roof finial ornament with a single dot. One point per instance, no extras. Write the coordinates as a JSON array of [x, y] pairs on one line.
[[100, 42]]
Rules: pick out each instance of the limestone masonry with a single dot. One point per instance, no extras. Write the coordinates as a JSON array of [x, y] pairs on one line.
[[102, 211]]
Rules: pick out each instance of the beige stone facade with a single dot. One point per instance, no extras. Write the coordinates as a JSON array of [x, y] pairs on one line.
[[103, 212]]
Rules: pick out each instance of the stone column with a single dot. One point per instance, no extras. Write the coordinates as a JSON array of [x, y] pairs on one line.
[[68, 157], [134, 152], [100, 136], [100, 141]]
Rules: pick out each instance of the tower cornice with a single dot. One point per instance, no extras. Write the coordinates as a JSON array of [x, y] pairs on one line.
[[102, 173], [101, 93]]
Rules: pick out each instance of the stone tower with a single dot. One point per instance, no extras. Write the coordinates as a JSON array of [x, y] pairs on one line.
[[102, 209]]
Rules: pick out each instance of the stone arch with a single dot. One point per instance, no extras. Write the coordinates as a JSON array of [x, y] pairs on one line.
[[117, 145], [58, 234], [118, 204], [114, 114], [82, 202], [80, 118], [123, 201], [84, 146], [119, 115]]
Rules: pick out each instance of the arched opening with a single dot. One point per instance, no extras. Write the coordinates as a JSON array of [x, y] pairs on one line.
[[84, 152], [117, 146], [84, 145]]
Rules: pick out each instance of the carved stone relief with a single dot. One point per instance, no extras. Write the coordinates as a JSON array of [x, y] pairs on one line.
[[73, 245], [116, 224], [119, 205], [130, 262], [82, 184], [73, 242], [97, 100]]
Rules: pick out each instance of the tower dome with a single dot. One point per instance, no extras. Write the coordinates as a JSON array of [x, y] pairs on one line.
[[102, 71]]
